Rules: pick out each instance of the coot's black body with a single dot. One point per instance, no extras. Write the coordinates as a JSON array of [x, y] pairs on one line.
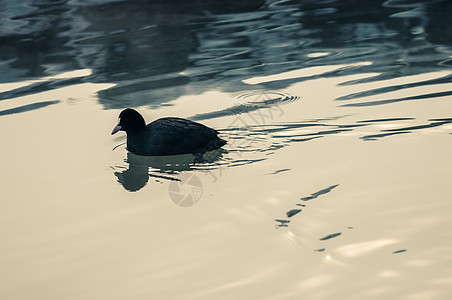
[[166, 136]]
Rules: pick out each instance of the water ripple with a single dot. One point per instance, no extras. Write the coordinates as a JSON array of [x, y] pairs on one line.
[[251, 101]]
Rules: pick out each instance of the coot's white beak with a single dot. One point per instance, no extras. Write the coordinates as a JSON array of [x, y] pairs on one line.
[[117, 128]]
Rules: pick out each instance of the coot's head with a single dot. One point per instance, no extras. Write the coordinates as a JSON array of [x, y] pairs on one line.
[[129, 120]]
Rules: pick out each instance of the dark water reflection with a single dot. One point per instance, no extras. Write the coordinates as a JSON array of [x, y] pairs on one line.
[[135, 175], [152, 50]]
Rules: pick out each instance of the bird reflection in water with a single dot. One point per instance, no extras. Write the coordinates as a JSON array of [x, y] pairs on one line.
[[140, 168]]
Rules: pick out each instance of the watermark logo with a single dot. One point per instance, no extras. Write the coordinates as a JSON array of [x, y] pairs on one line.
[[186, 192]]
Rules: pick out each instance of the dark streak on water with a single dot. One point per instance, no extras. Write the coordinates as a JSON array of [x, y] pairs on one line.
[[28, 107], [374, 137], [331, 236], [293, 212], [385, 120], [278, 171], [319, 193], [399, 251], [389, 101], [38, 87], [282, 223], [430, 125], [382, 91]]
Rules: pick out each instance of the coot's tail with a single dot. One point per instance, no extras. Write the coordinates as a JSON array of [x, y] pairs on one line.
[[215, 144]]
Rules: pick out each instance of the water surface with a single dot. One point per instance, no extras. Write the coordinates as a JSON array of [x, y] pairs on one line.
[[335, 182]]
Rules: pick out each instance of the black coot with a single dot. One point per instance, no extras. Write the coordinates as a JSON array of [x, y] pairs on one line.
[[166, 136]]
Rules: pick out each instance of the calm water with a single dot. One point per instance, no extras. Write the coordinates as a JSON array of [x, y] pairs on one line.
[[334, 184]]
